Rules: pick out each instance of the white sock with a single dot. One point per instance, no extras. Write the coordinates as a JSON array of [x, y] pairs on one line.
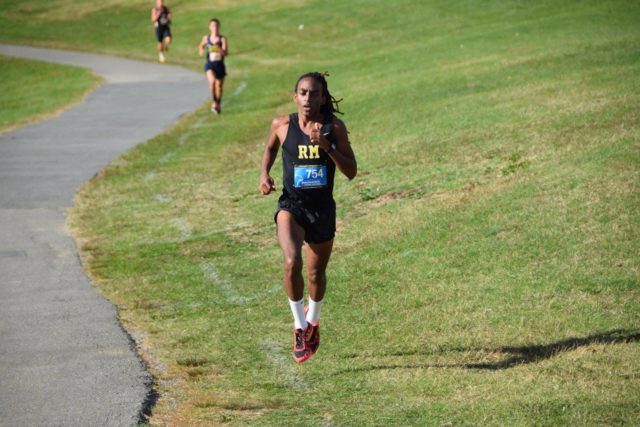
[[313, 315], [297, 309]]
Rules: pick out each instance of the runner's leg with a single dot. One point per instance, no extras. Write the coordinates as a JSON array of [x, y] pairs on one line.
[[160, 52], [217, 88], [291, 237], [211, 79], [318, 255]]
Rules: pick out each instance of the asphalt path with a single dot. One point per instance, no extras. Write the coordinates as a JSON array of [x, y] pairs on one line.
[[64, 358]]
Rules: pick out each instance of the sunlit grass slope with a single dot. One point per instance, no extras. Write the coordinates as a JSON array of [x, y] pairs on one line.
[[31, 90], [486, 267]]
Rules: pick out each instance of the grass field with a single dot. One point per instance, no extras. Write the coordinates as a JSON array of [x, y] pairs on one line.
[[486, 267], [28, 92]]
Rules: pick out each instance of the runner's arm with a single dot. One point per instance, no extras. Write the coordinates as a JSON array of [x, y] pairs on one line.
[[225, 50], [343, 155], [202, 44], [269, 156]]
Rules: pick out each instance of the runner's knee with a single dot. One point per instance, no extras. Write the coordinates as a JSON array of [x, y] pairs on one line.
[[316, 276], [292, 265]]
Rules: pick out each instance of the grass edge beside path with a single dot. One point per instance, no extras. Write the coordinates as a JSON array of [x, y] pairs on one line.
[[27, 94]]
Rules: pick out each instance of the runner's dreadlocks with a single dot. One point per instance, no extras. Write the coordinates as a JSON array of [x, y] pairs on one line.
[[331, 105]]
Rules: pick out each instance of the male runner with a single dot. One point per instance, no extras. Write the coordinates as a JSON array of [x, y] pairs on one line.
[[215, 46], [161, 18], [313, 143]]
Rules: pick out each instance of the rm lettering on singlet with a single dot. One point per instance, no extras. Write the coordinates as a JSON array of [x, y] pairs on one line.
[[308, 151]]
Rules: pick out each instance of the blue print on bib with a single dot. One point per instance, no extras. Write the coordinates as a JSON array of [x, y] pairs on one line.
[[310, 176]]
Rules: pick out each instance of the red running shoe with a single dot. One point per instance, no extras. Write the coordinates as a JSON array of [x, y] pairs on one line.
[[301, 351], [313, 340]]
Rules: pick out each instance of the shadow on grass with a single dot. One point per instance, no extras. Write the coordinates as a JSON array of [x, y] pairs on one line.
[[514, 355], [535, 353]]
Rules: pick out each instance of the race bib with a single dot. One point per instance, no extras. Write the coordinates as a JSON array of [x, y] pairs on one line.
[[214, 53], [310, 176]]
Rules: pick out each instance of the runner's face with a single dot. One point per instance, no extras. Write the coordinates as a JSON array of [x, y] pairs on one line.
[[309, 97], [213, 27]]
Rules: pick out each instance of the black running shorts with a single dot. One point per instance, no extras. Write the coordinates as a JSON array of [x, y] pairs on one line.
[[162, 32], [318, 222], [218, 68]]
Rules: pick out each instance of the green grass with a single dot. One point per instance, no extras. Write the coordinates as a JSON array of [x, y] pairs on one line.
[[486, 267], [31, 90]]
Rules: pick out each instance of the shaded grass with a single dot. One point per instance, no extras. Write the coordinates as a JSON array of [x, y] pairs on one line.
[[486, 266], [31, 90]]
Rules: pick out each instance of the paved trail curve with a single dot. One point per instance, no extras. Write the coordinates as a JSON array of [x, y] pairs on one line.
[[64, 359]]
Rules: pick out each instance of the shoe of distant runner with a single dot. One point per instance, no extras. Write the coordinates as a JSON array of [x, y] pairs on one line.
[[161, 57], [301, 351], [313, 340], [214, 110]]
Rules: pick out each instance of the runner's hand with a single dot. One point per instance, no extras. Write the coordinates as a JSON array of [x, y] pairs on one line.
[[267, 185], [317, 137]]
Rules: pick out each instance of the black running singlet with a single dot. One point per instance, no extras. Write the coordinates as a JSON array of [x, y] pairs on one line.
[[163, 19], [308, 171]]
